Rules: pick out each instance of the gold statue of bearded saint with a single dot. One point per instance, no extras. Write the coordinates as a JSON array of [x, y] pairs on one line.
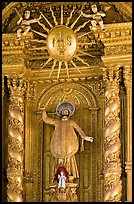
[[64, 142]]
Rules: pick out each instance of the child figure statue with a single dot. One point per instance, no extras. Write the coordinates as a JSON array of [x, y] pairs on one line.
[[62, 180], [24, 24]]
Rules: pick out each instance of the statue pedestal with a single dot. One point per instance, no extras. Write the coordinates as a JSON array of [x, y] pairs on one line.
[[67, 194]]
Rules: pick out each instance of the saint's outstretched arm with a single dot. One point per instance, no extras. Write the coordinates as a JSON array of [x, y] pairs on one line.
[[46, 119], [83, 136]]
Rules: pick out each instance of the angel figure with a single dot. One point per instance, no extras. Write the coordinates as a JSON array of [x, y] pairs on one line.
[[64, 143], [24, 24], [96, 17]]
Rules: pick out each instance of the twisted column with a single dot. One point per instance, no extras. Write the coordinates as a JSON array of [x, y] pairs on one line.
[[128, 168], [112, 166], [15, 141]]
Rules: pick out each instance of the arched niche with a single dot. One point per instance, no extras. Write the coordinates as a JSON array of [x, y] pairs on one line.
[[79, 95], [86, 116]]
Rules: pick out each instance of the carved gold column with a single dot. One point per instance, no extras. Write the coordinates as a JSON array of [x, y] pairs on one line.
[[112, 166], [128, 168], [15, 140]]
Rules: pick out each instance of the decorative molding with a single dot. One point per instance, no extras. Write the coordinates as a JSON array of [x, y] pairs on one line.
[[117, 60], [119, 49], [13, 59], [10, 42], [115, 32]]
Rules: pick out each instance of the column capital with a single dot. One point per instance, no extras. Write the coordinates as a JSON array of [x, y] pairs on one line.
[[17, 86], [111, 74], [128, 75]]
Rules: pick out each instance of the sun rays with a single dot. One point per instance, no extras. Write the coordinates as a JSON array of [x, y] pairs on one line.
[[61, 61]]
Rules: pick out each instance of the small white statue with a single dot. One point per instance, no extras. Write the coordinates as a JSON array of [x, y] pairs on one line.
[[24, 24], [62, 180]]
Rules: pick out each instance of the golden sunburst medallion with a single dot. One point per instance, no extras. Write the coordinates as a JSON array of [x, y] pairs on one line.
[[61, 41]]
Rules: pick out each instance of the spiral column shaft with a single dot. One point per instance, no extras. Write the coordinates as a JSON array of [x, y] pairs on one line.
[[112, 166], [15, 141]]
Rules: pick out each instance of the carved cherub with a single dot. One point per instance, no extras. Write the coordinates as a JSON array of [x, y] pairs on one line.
[[96, 17], [24, 24]]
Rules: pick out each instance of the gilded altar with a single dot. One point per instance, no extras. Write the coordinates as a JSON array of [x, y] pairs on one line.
[[63, 59]]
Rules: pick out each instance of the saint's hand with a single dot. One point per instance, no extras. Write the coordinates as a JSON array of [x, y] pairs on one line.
[[90, 139]]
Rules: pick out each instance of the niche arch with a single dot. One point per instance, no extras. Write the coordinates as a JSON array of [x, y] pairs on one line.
[[79, 95]]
